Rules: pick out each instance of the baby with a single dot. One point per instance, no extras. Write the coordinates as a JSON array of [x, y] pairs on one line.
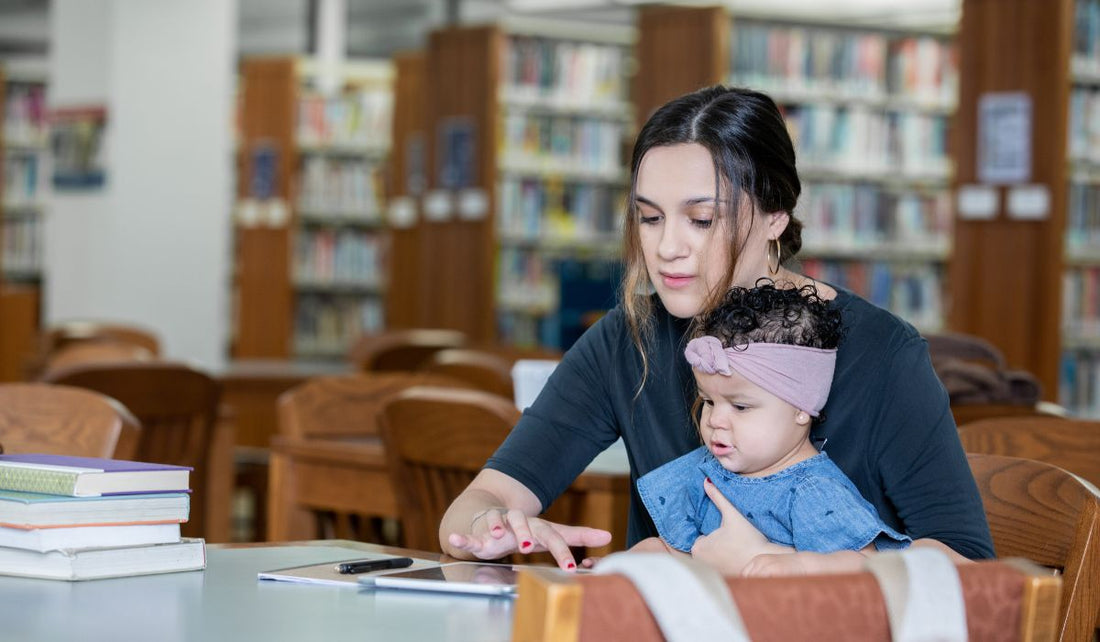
[[763, 362]]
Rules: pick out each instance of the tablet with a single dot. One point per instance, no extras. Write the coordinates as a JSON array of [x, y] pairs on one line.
[[479, 578]]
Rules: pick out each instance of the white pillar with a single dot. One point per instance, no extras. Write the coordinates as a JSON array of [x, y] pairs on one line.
[[151, 246], [331, 38]]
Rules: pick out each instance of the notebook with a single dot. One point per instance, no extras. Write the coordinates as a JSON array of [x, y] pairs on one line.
[[89, 476]]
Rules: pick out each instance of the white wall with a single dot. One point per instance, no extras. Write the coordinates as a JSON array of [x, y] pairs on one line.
[[151, 247]]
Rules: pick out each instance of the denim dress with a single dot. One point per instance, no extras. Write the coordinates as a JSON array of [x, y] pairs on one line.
[[810, 506]]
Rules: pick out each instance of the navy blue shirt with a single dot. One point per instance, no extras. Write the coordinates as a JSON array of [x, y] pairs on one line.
[[888, 423]]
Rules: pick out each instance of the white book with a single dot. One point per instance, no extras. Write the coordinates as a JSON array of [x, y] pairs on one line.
[[51, 539], [97, 563]]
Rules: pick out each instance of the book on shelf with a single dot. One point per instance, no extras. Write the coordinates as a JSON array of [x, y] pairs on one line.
[[188, 554], [41, 510], [58, 538], [89, 476]]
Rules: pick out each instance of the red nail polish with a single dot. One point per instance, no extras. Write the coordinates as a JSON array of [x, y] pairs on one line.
[[709, 481], [525, 544], [571, 565]]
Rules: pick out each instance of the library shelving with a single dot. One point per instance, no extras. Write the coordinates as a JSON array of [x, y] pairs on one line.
[[311, 240], [868, 109], [23, 145], [1080, 376], [1008, 266], [525, 129]]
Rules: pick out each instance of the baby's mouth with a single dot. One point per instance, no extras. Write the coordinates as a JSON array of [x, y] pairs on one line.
[[719, 448]]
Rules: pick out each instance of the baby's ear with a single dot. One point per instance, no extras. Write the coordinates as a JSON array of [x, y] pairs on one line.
[[802, 418]]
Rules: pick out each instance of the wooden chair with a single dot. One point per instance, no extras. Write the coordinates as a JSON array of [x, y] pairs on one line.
[[1051, 517], [402, 350], [965, 413], [1004, 600], [436, 442], [1067, 443], [61, 420], [177, 406], [327, 475], [482, 370], [85, 352], [68, 332]]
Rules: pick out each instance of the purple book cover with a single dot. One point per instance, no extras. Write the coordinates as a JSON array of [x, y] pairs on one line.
[[107, 465]]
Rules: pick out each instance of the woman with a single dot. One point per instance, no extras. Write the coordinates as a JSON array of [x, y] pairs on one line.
[[714, 186]]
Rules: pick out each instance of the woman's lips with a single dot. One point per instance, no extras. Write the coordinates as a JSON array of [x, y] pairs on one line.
[[676, 280]]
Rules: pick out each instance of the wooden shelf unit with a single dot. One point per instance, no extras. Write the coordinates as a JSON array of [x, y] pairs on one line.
[[311, 238], [1079, 377], [887, 187], [494, 137], [23, 149]]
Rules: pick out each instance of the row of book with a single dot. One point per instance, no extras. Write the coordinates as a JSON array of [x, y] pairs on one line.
[[533, 208], [525, 281], [79, 518], [913, 291], [854, 215], [1081, 302], [358, 117], [326, 325], [564, 71], [22, 239], [344, 256], [1086, 30], [22, 179], [1079, 383], [340, 186], [1083, 218], [571, 143], [25, 114], [857, 138], [1084, 124], [856, 65]]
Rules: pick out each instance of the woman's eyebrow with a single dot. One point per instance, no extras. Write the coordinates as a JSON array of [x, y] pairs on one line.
[[688, 202]]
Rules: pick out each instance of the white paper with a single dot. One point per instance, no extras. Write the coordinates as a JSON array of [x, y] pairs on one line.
[[1004, 137], [437, 206], [976, 202], [1029, 203], [401, 212]]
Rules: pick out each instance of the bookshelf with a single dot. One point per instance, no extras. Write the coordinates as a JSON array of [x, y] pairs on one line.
[[1079, 385], [868, 109], [1007, 273], [526, 125], [311, 240], [23, 146]]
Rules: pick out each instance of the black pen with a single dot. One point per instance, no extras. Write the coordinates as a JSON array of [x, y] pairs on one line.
[[367, 566]]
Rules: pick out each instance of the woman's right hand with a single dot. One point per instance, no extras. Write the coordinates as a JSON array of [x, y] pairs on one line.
[[498, 532]]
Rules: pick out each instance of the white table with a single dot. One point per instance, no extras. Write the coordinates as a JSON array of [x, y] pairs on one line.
[[227, 602]]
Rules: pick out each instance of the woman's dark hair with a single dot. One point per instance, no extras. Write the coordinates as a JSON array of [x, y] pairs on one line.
[[746, 136], [767, 314]]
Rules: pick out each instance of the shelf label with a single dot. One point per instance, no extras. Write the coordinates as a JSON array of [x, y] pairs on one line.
[[1004, 137], [473, 204], [401, 212], [1029, 203], [438, 206], [976, 202]]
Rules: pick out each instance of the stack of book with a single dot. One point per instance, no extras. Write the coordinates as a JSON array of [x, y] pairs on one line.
[[79, 518]]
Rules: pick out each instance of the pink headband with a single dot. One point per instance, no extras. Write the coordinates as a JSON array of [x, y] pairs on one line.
[[799, 375]]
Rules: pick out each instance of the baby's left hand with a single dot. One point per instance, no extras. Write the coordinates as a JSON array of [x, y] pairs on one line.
[[770, 565]]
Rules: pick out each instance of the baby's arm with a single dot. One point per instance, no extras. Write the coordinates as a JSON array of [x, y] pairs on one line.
[[656, 545], [736, 542]]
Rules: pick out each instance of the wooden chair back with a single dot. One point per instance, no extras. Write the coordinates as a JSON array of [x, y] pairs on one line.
[[966, 413], [69, 332], [1004, 600], [436, 440], [85, 352], [1072, 444], [61, 420], [402, 350], [482, 370], [340, 406], [177, 406], [1050, 516]]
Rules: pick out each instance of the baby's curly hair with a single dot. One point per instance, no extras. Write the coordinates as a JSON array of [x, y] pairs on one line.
[[767, 314]]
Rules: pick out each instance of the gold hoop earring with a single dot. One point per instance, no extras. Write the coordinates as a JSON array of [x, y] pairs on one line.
[[774, 269]]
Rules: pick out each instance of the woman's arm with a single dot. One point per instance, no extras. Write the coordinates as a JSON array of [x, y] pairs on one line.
[[496, 516]]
